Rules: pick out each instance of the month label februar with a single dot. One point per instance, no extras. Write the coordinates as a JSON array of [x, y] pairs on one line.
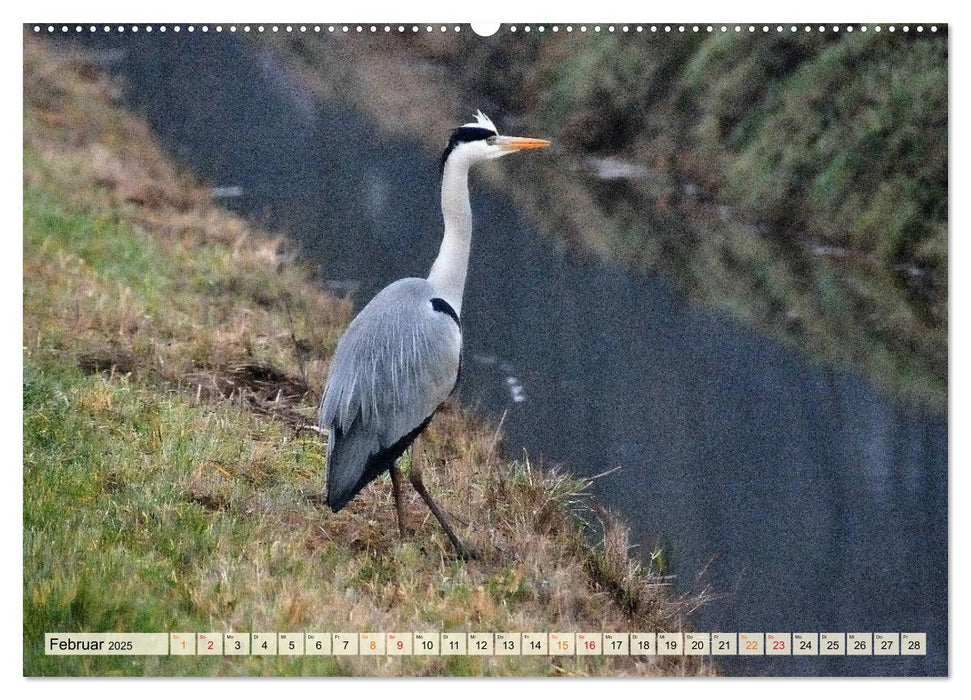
[[106, 643]]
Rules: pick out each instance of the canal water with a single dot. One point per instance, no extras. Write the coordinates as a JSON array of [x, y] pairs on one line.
[[802, 495]]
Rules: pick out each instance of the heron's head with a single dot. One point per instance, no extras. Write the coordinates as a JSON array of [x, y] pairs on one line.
[[480, 140]]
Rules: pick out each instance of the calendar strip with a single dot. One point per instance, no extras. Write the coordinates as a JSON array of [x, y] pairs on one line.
[[488, 644]]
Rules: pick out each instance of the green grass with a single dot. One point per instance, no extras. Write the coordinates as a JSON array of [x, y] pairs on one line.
[[110, 474]]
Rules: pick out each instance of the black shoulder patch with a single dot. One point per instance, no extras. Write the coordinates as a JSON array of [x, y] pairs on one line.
[[463, 134], [443, 307]]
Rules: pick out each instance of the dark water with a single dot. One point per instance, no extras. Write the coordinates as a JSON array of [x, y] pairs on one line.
[[811, 500]]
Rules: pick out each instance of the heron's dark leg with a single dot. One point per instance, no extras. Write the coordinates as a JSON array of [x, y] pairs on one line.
[[398, 505], [461, 550]]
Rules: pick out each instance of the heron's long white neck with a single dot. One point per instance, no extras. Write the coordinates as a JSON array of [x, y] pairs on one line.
[[450, 267]]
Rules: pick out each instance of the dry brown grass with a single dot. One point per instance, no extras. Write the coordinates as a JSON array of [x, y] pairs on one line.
[[259, 327]]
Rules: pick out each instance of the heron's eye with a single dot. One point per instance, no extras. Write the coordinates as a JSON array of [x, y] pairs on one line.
[[491, 140]]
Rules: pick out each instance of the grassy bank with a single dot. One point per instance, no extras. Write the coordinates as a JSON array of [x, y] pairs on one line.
[[173, 356], [797, 181]]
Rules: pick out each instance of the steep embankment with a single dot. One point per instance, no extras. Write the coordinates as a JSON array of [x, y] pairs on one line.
[[172, 477]]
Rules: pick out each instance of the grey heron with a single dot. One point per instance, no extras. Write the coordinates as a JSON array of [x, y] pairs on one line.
[[399, 359]]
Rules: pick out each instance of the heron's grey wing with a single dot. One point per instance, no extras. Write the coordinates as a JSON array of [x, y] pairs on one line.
[[393, 368]]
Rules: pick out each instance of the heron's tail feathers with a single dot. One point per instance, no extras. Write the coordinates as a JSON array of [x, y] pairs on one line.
[[355, 458], [347, 457]]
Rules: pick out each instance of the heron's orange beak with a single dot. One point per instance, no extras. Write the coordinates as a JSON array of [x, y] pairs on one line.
[[519, 143]]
